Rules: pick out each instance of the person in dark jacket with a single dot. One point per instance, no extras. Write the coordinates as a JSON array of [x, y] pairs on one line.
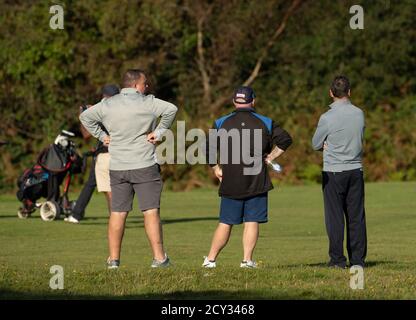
[[84, 198], [241, 168]]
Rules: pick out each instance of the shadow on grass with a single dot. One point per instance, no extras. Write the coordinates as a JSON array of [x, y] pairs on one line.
[[169, 221], [368, 264], [135, 221], [9, 216], [8, 294]]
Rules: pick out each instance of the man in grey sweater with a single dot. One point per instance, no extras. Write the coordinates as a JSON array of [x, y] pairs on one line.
[[339, 135], [131, 120]]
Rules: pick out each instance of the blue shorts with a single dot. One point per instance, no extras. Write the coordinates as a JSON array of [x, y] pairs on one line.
[[237, 211]]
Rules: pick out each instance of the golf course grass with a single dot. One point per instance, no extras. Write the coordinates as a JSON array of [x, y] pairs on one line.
[[291, 252]]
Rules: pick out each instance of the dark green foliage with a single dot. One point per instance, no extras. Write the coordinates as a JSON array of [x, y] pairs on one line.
[[46, 74]]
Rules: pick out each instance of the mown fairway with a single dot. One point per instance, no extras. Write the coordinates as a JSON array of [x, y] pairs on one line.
[[292, 251]]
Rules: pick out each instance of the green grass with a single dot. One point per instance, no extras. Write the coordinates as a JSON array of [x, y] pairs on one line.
[[292, 251]]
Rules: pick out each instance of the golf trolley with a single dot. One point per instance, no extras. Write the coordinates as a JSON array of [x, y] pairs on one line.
[[56, 163]]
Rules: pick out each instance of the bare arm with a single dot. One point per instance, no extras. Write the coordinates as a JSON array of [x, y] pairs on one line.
[[275, 153], [85, 134], [217, 171], [211, 151]]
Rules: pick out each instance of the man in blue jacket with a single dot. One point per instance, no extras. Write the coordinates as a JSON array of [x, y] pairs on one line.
[[244, 185]]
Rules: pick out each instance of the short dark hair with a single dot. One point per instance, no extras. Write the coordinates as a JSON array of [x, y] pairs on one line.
[[131, 76], [340, 86]]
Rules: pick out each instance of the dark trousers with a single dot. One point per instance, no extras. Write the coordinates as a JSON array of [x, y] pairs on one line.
[[344, 196], [54, 182], [86, 194]]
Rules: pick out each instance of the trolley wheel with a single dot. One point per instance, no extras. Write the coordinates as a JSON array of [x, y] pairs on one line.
[[50, 211], [22, 213]]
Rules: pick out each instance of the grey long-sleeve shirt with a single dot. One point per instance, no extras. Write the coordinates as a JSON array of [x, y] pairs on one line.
[[342, 128], [129, 117]]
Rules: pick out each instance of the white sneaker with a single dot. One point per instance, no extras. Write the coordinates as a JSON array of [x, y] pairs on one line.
[[248, 264], [208, 263], [71, 219], [113, 264]]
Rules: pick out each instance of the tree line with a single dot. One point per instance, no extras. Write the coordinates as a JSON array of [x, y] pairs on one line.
[[195, 54]]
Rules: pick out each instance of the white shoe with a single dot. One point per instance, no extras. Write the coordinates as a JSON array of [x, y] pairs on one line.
[[248, 264], [209, 264], [113, 264], [71, 219]]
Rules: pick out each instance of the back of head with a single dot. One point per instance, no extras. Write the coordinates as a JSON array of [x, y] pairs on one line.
[[340, 87], [243, 96], [132, 77]]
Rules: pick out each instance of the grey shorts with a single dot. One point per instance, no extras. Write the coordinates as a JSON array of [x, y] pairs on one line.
[[145, 182]]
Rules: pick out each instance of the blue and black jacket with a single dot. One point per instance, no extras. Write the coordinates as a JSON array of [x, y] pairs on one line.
[[235, 184]]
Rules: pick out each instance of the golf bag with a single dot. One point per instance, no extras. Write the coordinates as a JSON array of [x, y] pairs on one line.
[[43, 180]]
